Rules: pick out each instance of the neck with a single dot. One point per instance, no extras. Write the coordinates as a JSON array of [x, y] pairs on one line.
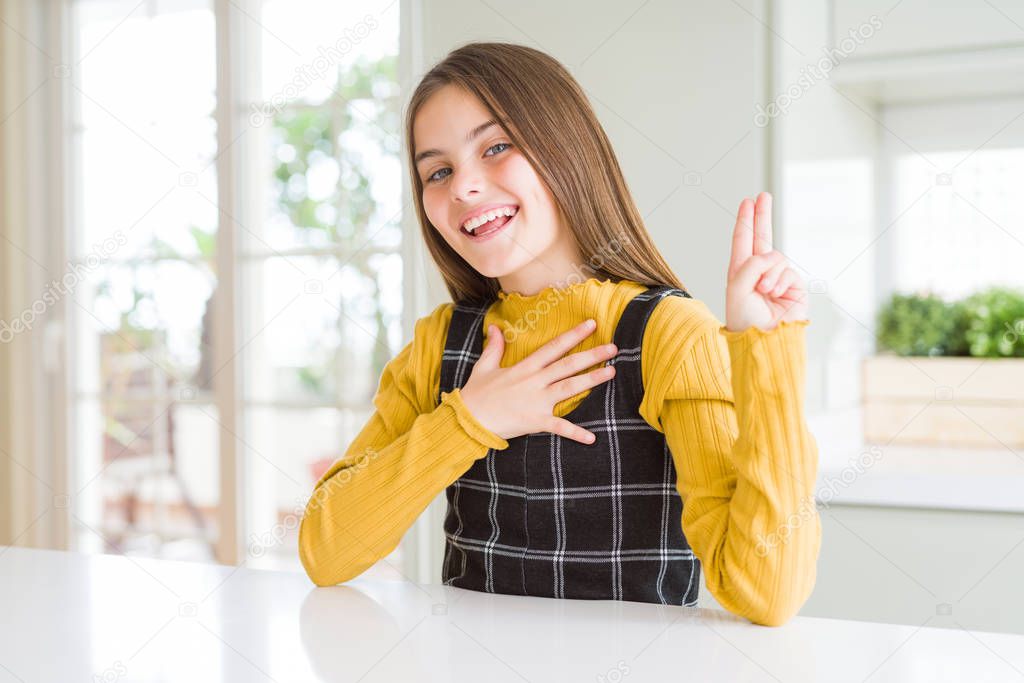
[[560, 266]]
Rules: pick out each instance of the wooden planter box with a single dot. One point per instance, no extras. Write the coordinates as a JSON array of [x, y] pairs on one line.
[[944, 401]]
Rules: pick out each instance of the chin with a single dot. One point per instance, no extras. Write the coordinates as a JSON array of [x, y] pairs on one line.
[[491, 270]]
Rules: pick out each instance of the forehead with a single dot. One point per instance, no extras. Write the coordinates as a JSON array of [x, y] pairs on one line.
[[445, 118]]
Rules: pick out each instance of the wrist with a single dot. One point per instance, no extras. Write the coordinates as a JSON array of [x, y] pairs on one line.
[[470, 422]]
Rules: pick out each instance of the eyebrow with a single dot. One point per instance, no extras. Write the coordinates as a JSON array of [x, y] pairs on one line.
[[469, 138]]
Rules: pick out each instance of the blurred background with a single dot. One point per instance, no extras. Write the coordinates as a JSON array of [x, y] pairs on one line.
[[209, 253]]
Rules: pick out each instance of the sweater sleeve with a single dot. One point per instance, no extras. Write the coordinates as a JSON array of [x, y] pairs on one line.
[[409, 451], [746, 463]]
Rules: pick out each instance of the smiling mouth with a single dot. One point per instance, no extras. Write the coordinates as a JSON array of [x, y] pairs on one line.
[[489, 228]]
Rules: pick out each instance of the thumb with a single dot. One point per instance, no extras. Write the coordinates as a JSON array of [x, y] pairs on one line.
[[495, 348]]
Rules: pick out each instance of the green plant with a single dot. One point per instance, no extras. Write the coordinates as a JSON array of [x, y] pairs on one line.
[[922, 325], [995, 322]]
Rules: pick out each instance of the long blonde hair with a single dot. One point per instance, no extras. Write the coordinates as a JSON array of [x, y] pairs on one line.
[[547, 116]]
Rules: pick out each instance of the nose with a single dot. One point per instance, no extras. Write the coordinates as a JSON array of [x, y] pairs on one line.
[[466, 184]]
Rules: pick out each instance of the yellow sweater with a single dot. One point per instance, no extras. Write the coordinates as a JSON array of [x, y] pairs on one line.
[[729, 403]]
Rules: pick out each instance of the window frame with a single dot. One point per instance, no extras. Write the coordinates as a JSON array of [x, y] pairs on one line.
[[237, 44]]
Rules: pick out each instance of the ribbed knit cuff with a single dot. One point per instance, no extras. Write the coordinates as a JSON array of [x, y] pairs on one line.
[[755, 332], [469, 422]]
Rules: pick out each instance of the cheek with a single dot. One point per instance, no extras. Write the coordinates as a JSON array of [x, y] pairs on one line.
[[517, 174], [434, 206], [520, 177]]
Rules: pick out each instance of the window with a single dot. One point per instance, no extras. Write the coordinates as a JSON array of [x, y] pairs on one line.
[[963, 237], [955, 172], [306, 243], [144, 462]]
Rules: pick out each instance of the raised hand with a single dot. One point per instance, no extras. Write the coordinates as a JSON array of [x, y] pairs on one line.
[[762, 288], [520, 399]]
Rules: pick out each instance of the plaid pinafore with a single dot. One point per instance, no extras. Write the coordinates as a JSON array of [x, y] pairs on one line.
[[549, 516]]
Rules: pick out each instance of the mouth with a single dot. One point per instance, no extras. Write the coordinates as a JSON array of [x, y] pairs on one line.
[[486, 230]]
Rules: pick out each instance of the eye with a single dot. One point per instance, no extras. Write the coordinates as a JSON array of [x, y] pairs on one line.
[[500, 144], [432, 178]]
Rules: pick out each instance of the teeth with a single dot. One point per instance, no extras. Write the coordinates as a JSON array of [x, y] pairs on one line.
[[473, 223]]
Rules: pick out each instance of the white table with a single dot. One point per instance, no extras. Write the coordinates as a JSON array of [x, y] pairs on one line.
[[73, 617]]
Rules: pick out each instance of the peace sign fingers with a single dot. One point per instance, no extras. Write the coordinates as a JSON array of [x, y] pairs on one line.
[[752, 233]]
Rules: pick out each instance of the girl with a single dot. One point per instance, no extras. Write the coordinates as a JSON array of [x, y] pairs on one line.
[[604, 397]]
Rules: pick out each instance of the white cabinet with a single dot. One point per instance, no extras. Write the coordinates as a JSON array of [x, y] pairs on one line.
[[906, 565], [926, 26]]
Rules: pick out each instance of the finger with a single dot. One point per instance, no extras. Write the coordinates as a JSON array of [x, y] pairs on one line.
[[562, 427], [763, 224], [579, 383], [796, 292], [768, 280], [754, 268], [787, 310], [579, 361], [798, 285], [785, 281], [559, 346], [742, 237]]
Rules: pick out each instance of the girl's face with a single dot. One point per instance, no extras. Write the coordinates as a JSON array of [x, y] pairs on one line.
[[469, 168]]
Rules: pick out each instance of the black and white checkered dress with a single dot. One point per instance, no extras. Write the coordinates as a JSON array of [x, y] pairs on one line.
[[549, 516]]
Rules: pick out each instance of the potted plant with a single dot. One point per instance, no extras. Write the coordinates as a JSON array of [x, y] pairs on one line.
[[947, 373]]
